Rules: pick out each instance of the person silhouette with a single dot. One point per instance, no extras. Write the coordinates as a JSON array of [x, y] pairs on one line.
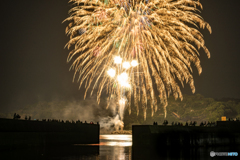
[[208, 124], [194, 123], [191, 123], [166, 122], [204, 123]]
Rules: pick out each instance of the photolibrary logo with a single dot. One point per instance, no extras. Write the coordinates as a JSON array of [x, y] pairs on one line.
[[212, 153]]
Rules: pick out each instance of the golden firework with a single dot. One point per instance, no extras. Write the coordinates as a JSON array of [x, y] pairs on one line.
[[160, 37]]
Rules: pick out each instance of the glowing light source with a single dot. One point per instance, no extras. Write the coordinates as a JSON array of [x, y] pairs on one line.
[[134, 63], [117, 60], [125, 84], [223, 118], [122, 77], [122, 101], [123, 80], [111, 72], [126, 65]]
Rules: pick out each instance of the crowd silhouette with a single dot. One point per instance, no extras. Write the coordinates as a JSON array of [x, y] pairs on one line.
[[18, 117], [193, 123]]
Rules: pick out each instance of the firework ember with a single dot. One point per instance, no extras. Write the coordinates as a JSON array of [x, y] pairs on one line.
[[159, 37]]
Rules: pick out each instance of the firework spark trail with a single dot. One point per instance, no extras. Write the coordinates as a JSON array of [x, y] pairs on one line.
[[162, 35]]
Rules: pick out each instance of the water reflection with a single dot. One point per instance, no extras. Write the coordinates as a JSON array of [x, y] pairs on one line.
[[115, 147], [115, 137], [116, 140], [173, 153], [51, 153], [111, 147]]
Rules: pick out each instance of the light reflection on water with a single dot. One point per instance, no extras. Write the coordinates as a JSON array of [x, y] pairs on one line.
[[111, 147], [115, 147], [116, 140], [116, 137]]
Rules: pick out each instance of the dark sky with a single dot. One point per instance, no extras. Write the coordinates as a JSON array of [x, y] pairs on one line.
[[33, 58]]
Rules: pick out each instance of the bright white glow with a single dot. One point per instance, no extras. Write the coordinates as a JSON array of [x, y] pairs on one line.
[[122, 101], [116, 137], [134, 63], [111, 72], [126, 65], [117, 60], [125, 84], [116, 143], [123, 80], [122, 77], [112, 140]]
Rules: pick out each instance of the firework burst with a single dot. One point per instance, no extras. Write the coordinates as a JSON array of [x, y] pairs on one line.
[[161, 36]]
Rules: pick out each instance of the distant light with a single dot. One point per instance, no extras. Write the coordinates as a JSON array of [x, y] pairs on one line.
[[126, 65], [134, 63], [223, 118], [117, 60], [111, 72]]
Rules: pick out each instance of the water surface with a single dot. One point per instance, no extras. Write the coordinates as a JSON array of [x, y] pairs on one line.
[[115, 147], [112, 147]]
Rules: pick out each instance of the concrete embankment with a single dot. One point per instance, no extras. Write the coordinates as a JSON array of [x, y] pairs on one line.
[[225, 133], [38, 133], [162, 141]]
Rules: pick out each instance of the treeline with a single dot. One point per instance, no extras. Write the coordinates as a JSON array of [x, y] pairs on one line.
[[192, 108]]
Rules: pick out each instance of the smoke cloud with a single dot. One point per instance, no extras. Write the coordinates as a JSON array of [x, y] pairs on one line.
[[108, 124], [84, 110]]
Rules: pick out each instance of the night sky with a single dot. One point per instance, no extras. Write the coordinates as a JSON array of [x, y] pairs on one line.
[[33, 58]]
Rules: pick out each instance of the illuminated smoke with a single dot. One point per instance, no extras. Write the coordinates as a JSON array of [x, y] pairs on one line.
[[111, 123]]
